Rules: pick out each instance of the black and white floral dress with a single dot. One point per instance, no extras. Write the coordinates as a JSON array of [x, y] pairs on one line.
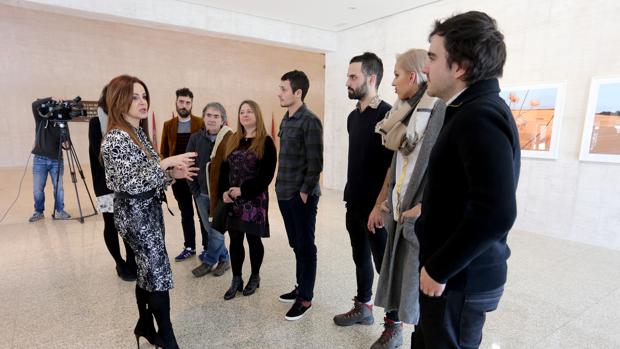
[[137, 214]]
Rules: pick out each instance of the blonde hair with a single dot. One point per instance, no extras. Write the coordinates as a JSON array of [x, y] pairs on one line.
[[258, 142], [413, 60]]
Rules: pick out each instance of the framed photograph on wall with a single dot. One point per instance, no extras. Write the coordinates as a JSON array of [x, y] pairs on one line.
[[601, 131], [537, 110]]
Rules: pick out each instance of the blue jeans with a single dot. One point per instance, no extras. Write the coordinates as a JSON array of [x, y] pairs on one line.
[[41, 166], [453, 320], [216, 249], [300, 222]]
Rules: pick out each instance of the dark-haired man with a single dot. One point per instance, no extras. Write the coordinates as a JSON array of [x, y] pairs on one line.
[[297, 185], [368, 162], [174, 140], [206, 143], [469, 201]]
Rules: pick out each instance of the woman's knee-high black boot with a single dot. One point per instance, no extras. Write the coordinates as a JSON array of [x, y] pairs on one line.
[[145, 327], [159, 303]]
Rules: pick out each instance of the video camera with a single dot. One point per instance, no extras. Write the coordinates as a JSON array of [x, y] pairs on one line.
[[63, 111]]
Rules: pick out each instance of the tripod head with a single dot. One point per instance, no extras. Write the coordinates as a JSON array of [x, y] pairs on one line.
[[63, 127]]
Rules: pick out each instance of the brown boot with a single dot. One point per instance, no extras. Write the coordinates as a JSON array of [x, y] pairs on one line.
[[392, 336], [360, 314]]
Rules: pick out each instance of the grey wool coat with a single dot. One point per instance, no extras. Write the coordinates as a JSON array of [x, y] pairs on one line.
[[399, 279]]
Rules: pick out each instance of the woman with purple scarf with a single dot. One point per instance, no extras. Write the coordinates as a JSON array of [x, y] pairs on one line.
[[248, 168]]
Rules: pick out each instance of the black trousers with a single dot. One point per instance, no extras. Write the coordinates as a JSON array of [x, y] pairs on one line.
[[186, 206], [454, 320], [366, 247], [300, 222]]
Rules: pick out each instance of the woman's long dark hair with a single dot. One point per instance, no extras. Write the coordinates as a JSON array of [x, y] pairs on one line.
[[118, 99]]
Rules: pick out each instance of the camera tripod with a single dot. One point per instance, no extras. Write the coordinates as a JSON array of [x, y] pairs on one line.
[[74, 163]]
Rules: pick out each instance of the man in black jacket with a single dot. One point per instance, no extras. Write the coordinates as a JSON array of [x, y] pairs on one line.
[[469, 202], [47, 160]]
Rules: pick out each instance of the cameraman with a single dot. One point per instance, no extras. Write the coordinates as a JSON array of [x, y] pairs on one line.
[[47, 159]]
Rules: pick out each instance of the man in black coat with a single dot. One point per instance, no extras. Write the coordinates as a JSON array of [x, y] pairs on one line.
[[47, 160], [469, 202]]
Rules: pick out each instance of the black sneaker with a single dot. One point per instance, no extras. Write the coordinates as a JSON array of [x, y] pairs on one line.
[[185, 254], [297, 311], [289, 297]]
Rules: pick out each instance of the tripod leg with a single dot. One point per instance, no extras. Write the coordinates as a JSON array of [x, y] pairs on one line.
[[72, 163], [74, 180], [60, 160]]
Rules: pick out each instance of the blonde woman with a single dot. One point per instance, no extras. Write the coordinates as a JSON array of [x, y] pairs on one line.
[[398, 288]]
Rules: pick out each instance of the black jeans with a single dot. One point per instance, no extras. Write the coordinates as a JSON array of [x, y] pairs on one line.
[[186, 206], [366, 247], [454, 320], [300, 222]]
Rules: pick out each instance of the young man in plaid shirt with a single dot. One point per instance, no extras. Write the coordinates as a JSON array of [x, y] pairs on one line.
[[297, 185]]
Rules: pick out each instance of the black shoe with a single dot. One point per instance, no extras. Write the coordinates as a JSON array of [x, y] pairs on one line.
[[235, 286], [145, 326], [297, 311], [252, 285], [124, 273], [289, 297]]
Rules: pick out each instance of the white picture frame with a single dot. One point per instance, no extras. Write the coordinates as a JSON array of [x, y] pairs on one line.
[[600, 141], [538, 110]]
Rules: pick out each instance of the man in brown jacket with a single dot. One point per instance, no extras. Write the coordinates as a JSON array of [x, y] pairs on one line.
[[174, 141]]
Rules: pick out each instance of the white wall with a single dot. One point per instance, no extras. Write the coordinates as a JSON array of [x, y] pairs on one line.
[[548, 41]]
